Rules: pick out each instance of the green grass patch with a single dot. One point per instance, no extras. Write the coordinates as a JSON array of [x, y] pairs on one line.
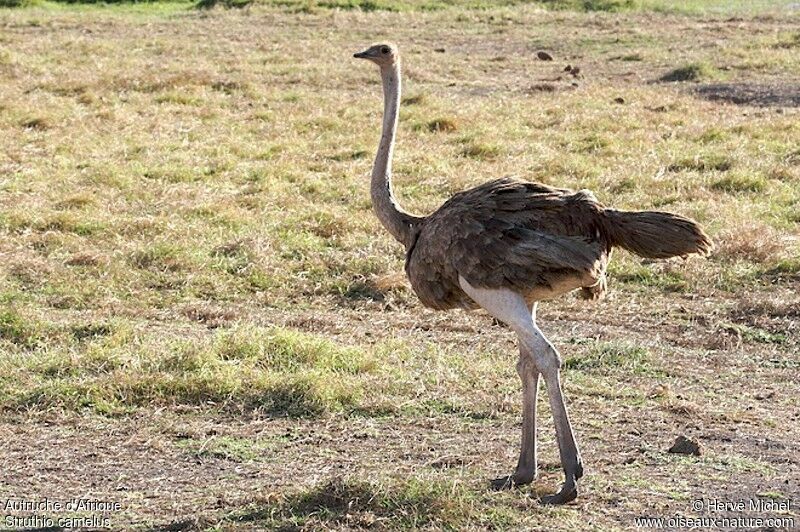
[[755, 334], [740, 183], [442, 124], [703, 163], [289, 350], [450, 407], [592, 5], [276, 371], [162, 257], [177, 97], [692, 72], [233, 448], [91, 331], [786, 266], [643, 275], [787, 41], [18, 330], [482, 151], [415, 99], [603, 357], [396, 505]]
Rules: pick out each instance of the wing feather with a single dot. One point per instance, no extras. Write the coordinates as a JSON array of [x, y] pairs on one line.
[[506, 233]]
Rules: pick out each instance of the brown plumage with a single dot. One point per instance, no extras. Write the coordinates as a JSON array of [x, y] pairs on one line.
[[506, 233], [507, 244], [537, 240]]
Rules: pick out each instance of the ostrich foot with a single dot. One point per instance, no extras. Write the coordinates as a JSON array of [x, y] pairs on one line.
[[569, 490], [519, 478], [567, 493]]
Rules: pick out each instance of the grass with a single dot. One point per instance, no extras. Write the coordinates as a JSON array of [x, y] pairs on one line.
[[740, 183], [111, 370], [192, 269], [311, 6], [230, 448], [17, 330], [354, 502], [481, 150], [692, 72], [607, 357], [712, 162], [755, 334], [648, 277], [412, 503], [442, 124], [608, 6]]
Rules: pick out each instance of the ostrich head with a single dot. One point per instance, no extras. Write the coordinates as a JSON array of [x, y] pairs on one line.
[[381, 54]]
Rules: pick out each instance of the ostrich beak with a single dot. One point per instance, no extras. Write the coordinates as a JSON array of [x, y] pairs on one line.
[[361, 55]]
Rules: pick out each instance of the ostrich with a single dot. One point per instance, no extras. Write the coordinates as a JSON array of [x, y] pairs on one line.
[[507, 244]]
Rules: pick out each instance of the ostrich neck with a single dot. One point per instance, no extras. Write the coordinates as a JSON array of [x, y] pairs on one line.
[[397, 221]]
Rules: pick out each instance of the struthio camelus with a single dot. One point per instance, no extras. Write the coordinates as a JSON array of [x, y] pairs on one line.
[[505, 245]]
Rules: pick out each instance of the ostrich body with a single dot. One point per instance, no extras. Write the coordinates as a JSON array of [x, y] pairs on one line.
[[507, 244]]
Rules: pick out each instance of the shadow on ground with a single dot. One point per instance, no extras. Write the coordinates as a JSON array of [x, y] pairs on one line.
[[337, 502], [756, 94]]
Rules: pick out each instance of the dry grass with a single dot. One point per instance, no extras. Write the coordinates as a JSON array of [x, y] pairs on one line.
[[192, 269]]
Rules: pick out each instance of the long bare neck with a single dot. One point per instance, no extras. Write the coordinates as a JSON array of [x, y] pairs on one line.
[[397, 221]]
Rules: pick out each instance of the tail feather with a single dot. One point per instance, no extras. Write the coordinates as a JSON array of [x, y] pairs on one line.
[[656, 235]]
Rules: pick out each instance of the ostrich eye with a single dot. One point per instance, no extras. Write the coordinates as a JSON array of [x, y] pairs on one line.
[[385, 50]]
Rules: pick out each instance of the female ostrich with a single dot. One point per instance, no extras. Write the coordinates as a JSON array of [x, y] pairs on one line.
[[505, 245]]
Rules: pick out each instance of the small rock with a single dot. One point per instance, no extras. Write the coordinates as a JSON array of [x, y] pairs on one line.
[[439, 50], [544, 56], [567, 68], [575, 71], [684, 445], [619, 99]]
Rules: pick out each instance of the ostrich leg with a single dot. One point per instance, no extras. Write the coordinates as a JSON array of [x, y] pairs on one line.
[[527, 465], [510, 307], [526, 471], [548, 361]]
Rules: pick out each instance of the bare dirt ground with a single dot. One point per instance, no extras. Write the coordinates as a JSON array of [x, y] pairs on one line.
[[739, 403]]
